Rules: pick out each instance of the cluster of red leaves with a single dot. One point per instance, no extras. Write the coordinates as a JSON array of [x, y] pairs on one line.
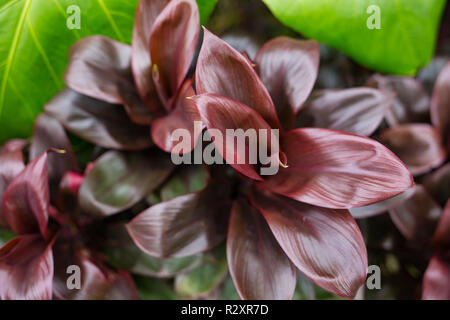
[[127, 98]]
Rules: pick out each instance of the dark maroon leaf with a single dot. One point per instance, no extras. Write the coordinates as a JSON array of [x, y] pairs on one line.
[[222, 113], [119, 180], [94, 283], [438, 184], [356, 110], [182, 117], [417, 217], [122, 287], [288, 68], [442, 234], [334, 169], [380, 207], [146, 14], [26, 199], [26, 269], [436, 281], [411, 103], [259, 267], [101, 123], [440, 104], [185, 225], [325, 244], [49, 133], [224, 71], [419, 146], [11, 164], [100, 68], [173, 41], [242, 42]]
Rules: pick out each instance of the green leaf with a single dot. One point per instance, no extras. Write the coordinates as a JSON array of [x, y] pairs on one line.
[[34, 44], [205, 7], [203, 279], [404, 43], [154, 289], [5, 236]]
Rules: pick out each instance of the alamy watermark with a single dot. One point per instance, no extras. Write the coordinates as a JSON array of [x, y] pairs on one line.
[[74, 19], [374, 20], [251, 146]]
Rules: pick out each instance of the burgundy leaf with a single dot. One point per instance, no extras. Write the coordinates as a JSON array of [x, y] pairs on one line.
[[259, 267], [419, 146], [224, 114], [325, 244], [100, 68], [288, 68], [146, 13], [101, 123], [380, 207], [356, 110], [119, 180], [411, 103], [242, 42], [26, 200], [182, 117], [173, 41], [417, 217], [49, 133], [436, 281], [26, 269], [438, 184], [185, 225], [335, 169], [440, 104], [442, 234], [11, 164], [224, 71]]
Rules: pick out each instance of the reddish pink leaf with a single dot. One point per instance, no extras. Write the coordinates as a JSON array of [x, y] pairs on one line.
[[417, 217], [224, 71], [325, 244], [146, 13], [13, 145], [224, 114], [259, 267], [185, 225], [288, 68], [26, 269], [436, 281], [182, 117], [334, 169], [419, 146], [173, 41], [440, 103], [26, 200], [356, 110]]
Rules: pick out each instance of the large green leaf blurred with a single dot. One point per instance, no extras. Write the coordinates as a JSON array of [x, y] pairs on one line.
[[404, 42], [34, 42]]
